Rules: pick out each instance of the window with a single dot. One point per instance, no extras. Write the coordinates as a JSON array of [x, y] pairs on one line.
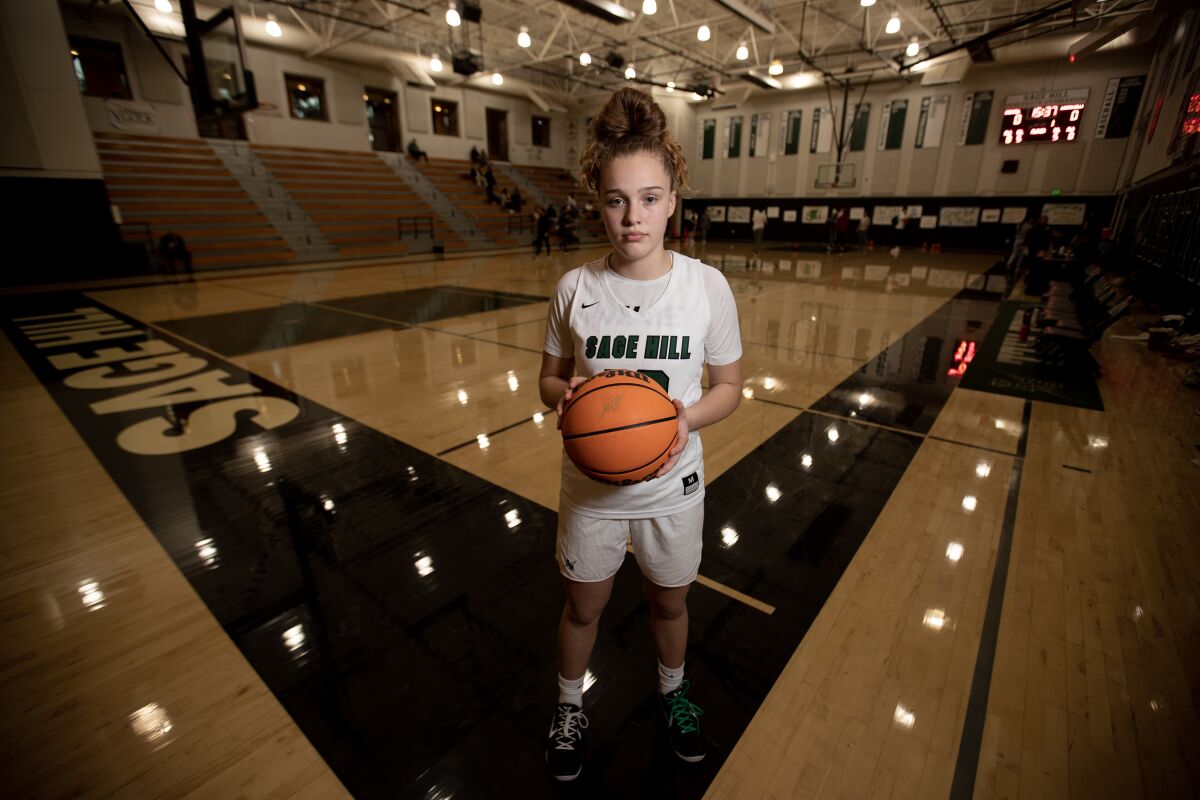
[[99, 68], [541, 132], [306, 97], [734, 136], [445, 117], [710, 138]]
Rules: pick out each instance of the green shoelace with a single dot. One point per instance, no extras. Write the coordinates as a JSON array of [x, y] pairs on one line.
[[684, 712]]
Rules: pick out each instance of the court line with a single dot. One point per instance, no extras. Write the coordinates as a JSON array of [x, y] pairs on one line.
[[1077, 469], [489, 435], [728, 591], [966, 766], [973, 446]]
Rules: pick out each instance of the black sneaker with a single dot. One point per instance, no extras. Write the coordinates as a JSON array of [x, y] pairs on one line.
[[683, 724], [564, 747]]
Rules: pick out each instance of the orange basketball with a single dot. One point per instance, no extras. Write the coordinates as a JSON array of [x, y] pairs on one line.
[[619, 427]]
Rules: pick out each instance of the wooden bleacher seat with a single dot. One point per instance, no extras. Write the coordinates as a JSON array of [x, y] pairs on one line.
[[164, 183]]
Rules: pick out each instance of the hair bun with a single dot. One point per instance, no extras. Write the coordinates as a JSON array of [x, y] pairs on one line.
[[630, 113], [631, 122]]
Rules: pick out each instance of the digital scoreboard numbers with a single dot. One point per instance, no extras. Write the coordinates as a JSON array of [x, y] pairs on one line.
[[1051, 116]]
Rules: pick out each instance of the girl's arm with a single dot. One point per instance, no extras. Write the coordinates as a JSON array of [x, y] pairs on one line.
[[556, 382], [723, 396]]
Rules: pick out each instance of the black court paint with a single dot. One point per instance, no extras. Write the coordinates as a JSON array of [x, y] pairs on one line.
[[240, 332], [962, 785], [403, 610]]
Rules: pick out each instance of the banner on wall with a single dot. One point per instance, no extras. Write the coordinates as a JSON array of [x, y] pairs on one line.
[[738, 214], [928, 223], [972, 127], [1064, 213], [959, 217], [883, 215], [990, 215], [932, 120], [1119, 109], [128, 115], [816, 215], [789, 215], [716, 213], [772, 212], [1013, 215]]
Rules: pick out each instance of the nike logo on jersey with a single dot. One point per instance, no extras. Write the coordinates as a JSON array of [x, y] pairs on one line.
[[589, 305]]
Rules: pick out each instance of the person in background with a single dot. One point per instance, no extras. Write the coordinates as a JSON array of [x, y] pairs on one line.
[[415, 152], [864, 231], [544, 226], [1013, 265], [173, 253], [514, 201], [702, 224], [841, 230], [489, 184], [758, 224], [505, 199]]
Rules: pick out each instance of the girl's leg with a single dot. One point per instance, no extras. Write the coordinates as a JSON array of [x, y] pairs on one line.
[[668, 621], [579, 623]]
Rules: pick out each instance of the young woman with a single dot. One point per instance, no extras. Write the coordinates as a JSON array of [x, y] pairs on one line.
[[683, 315]]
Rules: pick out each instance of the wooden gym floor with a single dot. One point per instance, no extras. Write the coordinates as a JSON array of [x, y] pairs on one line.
[[313, 556]]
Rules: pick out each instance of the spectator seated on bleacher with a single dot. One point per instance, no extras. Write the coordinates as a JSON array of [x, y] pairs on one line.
[[173, 253], [514, 202], [416, 153]]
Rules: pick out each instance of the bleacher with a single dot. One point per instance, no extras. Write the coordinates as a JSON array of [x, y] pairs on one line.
[[162, 184], [450, 176], [556, 183], [356, 200]]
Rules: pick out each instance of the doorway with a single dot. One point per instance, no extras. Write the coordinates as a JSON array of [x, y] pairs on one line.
[[383, 119], [497, 134]]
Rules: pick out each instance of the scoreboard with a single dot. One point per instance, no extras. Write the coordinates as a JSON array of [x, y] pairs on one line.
[[1051, 116]]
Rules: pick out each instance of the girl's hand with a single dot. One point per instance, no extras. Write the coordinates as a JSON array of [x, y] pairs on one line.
[[681, 441], [566, 398]]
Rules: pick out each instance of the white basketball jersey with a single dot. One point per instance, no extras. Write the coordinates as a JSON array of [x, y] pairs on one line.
[[670, 341]]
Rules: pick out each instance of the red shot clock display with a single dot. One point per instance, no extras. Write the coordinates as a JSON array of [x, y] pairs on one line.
[[1050, 116]]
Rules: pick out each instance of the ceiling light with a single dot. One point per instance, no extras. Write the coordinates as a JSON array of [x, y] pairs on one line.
[[164, 6], [649, 8], [452, 17], [497, 79], [630, 73], [365, 97], [670, 86], [523, 37], [435, 63], [913, 48], [893, 24], [866, 3], [703, 33], [743, 52], [585, 58], [776, 68], [272, 26]]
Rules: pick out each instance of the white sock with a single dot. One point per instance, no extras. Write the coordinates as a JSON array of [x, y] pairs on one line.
[[669, 678], [570, 691]]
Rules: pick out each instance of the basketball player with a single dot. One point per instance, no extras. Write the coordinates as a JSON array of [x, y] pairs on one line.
[[675, 315]]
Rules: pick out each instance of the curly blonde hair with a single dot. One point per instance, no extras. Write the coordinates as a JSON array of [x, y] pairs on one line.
[[632, 122]]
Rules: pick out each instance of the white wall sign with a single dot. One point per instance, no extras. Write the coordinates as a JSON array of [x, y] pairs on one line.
[[127, 115], [816, 215], [716, 213], [772, 212], [959, 217], [858, 212], [1064, 213], [990, 215], [1013, 215], [883, 215], [928, 222], [789, 215], [738, 214]]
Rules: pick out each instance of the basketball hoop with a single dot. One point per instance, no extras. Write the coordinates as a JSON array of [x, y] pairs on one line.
[[836, 176]]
